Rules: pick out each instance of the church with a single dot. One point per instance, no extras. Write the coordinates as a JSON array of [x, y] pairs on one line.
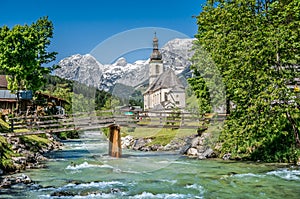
[[165, 90]]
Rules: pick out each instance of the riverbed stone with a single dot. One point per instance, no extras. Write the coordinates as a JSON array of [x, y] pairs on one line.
[[23, 179], [5, 183], [141, 144], [8, 181], [226, 156], [19, 160], [196, 146], [196, 141], [28, 158], [127, 142], [157, 147], [206, 154], [115, 190], [62, 194], [192, 152], [185, 148]]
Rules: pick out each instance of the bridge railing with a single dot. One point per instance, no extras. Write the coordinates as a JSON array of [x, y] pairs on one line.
[[166, 119], [97, 120]]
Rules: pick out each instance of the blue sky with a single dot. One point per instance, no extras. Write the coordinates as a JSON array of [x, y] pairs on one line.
[[79, 26]]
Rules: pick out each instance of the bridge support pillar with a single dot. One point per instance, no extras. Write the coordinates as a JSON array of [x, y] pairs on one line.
[[115, 149]]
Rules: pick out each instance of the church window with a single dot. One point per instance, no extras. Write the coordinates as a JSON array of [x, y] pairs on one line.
[[157, 69]]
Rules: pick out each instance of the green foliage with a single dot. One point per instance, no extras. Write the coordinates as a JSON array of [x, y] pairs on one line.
[[4, 127], [81, 98], [111, 103], [163, 137], [128, 95], [68, 135], [23, 50], [175, 117], [206, 82], [255, 48], [82, 104], [34, 142], [136, 99], [105, 131], [6, 153], [192, 104]]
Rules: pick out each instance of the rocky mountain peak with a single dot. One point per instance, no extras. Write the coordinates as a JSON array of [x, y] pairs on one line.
[[82, 68], [120, 62], [86, 69]]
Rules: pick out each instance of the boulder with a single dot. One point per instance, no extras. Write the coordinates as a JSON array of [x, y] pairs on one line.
[[63, 193], [226, 156], [192, 152], [185, 148], [5, 183], [206, 154], [140, 143], [157, 147], [196, 141], [115, 190], [127, 142], [23, 179], [19, 160], [9, 181]]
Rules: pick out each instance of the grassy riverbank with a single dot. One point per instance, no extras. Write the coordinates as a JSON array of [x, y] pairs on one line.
[[159, 136], [6, 154], [18, 153]]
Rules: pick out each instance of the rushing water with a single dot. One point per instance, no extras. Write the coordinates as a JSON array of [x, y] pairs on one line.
[[83, 170]]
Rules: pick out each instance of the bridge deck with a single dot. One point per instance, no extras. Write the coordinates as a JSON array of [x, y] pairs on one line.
[[87, 121]]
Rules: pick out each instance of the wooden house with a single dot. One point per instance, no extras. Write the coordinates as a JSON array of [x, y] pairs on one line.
[[8, 101]]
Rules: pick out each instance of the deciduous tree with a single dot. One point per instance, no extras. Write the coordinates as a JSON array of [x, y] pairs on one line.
[[255, 46], [23, 51]]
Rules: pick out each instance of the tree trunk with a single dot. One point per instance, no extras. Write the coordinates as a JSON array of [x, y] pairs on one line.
[[227, 106], [295, 129]]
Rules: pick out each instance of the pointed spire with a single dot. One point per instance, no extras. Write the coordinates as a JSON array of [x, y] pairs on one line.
[[155, 54]]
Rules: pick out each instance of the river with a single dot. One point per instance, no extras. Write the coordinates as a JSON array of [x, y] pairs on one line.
[[83, 170]]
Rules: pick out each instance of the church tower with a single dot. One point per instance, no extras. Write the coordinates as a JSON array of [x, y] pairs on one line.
[[156, 67]]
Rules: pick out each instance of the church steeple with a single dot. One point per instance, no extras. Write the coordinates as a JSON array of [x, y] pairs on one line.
[[155, 53], [156, 66]]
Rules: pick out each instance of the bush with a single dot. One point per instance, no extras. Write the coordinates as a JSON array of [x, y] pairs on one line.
[[6, 153], [68, 135]]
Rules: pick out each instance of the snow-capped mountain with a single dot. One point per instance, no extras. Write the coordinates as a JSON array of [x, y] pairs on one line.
[[176, 54], [82, 68], [86, 69]]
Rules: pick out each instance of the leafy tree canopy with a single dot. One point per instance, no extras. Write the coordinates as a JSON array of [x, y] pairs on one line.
[[255, 46], [81, 98], [23, 50]]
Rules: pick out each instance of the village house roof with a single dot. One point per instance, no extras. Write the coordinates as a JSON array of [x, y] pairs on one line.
[[167, 79], [5, 95]]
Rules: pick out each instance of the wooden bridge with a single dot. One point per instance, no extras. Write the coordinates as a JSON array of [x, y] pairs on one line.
[[112, 119]]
